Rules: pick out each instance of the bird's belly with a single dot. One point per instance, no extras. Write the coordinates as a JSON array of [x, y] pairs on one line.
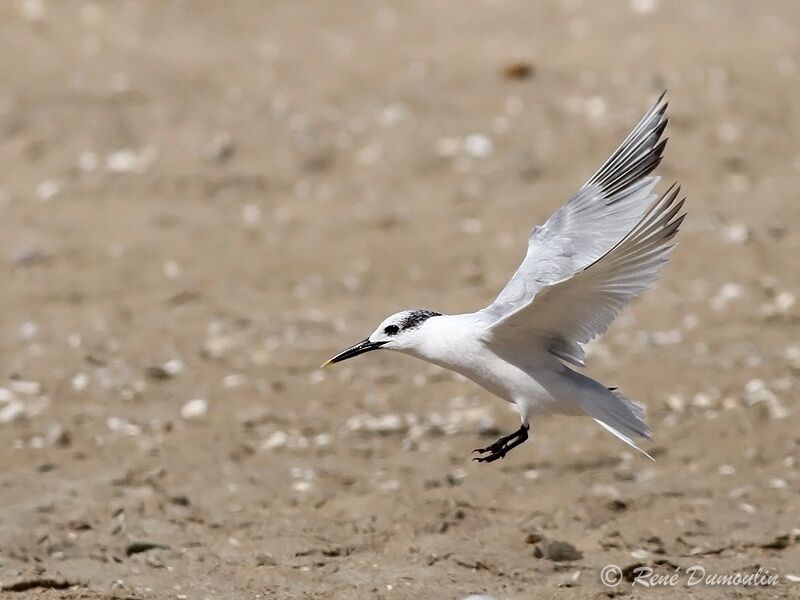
[[459, 347], [508, 382]]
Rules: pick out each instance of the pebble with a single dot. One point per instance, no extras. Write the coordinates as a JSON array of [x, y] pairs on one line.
[[736, 234], [475, 145], [251, 215], [318, 376], [217, 346], [265, 560], [557, 551], [756, 392], [666, 338], [26, 387], [384, 424], [48, 189], [596, 109], [792, 356], [11, 411], [705, 400], [120, 425], [640, 554], [28, 330], [780, 305], [726, 294], [194, 409], [220, 149], [302, 486], [478, 145], [33, 10], [393, 114], [643, 7], [171, 269], [130, 161], [675, 403], [28, 256], [277, 439], [57, 435], [80, 382], [472, 419], [323, 439], [233, 380], [387, 424], [13, 408], [174, 367], [518, 70], [390, 485], [302, 473], [157, 373], [605, 490]]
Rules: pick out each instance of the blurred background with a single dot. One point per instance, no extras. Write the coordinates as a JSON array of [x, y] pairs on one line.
[[202, 201]]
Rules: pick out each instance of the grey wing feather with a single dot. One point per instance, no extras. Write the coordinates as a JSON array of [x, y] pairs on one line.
[[573, 311], [595, 219]]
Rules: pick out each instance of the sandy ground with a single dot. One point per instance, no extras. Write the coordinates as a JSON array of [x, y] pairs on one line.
[[201, 204]]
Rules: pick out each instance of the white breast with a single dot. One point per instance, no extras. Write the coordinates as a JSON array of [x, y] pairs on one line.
[[455, 342]]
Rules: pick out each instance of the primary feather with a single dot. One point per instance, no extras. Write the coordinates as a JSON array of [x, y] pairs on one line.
[[606, 209], [595, 219]]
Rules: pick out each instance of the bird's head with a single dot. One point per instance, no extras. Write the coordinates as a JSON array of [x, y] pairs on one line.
[[400, 332]]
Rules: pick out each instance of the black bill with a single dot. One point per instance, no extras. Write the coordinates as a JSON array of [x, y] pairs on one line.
[[359, 348]]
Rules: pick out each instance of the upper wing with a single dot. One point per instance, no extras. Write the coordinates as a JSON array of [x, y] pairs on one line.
[[595, 219], [581, 307]]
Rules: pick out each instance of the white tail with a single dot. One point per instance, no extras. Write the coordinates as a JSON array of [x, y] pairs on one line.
[[618, 415]]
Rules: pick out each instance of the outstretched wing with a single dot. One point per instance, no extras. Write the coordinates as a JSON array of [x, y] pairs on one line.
[[594, 220], [570, 312]]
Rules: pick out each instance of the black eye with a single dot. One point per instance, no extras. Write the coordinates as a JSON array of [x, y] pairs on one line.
[[391, 330]]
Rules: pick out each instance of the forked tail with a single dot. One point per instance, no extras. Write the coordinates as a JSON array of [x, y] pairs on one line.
[[620, 416]]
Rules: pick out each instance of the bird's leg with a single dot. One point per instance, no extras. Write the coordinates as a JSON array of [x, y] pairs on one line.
[[503, 446]]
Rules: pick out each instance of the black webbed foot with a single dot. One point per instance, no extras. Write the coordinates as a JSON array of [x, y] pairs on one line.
[[503, 446]]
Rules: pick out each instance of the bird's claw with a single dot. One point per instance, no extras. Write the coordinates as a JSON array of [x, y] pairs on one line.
[[501, 447], [496, 450], [491, 458]]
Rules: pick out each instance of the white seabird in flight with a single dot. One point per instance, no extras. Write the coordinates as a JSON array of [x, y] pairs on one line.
[[604, 247]]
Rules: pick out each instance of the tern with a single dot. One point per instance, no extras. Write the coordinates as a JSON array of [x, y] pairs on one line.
[[596, 253]]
